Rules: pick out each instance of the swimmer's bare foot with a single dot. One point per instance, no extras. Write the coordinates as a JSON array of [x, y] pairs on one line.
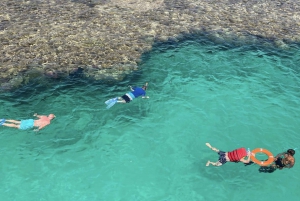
[[208, 162], [207, 144]]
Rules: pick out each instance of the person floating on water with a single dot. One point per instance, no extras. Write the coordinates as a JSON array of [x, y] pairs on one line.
[[40, 123], [285, 159], [237, 155], [282, 160], [126, 98]]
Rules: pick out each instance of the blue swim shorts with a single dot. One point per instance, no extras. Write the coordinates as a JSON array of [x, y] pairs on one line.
[[26, 124], [222, 157]]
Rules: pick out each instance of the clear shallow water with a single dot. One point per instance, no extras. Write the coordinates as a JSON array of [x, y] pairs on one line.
[[155, 149]]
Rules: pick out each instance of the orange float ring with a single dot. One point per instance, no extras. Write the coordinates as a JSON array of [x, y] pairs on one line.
[[262, 163]]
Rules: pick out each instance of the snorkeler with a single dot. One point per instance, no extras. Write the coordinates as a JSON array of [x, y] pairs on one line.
[[126, 98], [236, 155], [40, 123], [284, 160]]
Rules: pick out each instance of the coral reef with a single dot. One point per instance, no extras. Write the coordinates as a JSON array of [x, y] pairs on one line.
[[106, 38]]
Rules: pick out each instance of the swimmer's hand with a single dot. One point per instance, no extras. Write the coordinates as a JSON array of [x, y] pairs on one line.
[[131, 88]]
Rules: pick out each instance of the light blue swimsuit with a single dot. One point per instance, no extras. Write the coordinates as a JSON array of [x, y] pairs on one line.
[[26, 124]]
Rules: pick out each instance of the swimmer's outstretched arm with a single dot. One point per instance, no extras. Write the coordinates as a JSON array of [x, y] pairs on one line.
[[36, 115], [131, 88], [291, 164], [248, 158], [146, 84], [39, 116]]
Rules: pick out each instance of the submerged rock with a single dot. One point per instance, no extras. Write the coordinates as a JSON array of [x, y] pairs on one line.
[[106, 38]]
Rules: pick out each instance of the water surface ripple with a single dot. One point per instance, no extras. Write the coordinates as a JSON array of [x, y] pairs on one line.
[[154, 149]]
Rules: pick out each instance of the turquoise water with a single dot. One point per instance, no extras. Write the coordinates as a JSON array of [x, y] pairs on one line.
[[154, 149]]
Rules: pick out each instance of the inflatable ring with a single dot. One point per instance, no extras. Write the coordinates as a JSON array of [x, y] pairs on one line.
[[262, 163]]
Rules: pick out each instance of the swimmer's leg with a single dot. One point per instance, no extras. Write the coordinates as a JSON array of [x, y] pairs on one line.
[[11, 125], [121, 100], [214, 164], [13, 121], [212, 148]]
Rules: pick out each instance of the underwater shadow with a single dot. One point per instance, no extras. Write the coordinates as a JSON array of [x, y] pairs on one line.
[[263, 169]]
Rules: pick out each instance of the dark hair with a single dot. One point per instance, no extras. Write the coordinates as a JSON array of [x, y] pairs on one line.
[[291, 152], [144, 87]]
